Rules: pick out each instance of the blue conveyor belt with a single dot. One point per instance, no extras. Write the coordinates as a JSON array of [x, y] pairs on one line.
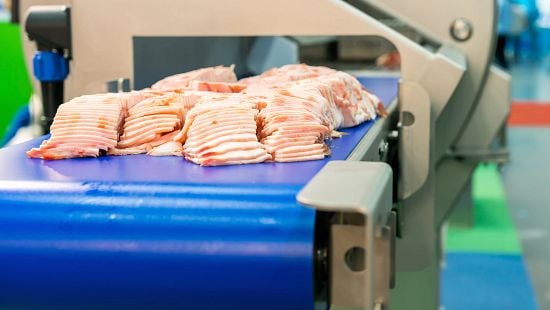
[[149, 232]]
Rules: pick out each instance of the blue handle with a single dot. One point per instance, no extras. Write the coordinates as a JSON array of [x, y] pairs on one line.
[[50, 66]]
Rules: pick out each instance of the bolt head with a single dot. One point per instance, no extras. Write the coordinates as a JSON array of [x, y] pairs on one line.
[[461, 29]]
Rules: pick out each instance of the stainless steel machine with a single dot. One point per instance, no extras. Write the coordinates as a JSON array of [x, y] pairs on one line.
[[375, 210]]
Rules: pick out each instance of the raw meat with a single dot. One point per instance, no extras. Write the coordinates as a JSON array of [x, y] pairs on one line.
[[205, 115], [218, 87], [222, 133], [153, 122], [288, 73], [293, 128], [354, 103], [183, 80], [84, 127]]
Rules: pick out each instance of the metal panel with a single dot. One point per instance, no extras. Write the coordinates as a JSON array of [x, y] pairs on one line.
[[415, 139], [360, 193], [158, 57]]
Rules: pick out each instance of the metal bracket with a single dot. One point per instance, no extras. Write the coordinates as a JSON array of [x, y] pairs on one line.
[[361, 248], [485, 155], [492, 110], [414, 139]]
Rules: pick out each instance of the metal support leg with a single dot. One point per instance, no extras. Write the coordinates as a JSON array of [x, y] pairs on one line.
[[418, 290], [463, 215]]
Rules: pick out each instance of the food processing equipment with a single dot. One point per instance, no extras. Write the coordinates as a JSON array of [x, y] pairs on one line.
[[360, 229]]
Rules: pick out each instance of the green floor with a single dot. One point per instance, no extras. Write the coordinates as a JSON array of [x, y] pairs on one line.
[[493, 230], [15, 87]]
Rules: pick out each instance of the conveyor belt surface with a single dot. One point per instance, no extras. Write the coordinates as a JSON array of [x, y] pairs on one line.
[[149, 232]]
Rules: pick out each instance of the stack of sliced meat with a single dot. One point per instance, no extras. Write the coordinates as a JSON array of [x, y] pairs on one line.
[[355, 104], [283, 115], [153, 122], [150, 123], [294, 129], [86, 126], [222, 133]]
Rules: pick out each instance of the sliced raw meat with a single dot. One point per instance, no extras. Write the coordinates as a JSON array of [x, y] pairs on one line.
[[292, 124], [86, 126], [170, 148], [284, 114], [154, 121], [223, 140], [217, 87], [288, 73], [183, 80], [355, 104]]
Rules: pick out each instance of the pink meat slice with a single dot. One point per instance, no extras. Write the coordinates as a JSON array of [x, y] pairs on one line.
[[257, 155], [289, 150], [196, 148], [128, 151], [170, 148], [64, 152], [225, 147], [222, 125], [153, 111], [159, 146], [220, 131], [300, 158], [144, 138], [287, 73], [60, 122], [217, 133], [218, 87], [294, 127], [154, 127], [135, 97], [297, 152], [183, 80], [148, 122], [97, 127], [272, 148], [83, 136]]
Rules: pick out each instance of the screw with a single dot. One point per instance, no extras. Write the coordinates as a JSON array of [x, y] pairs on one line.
[[461, 29], [383, 149], [322, 260], [393, 135]]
